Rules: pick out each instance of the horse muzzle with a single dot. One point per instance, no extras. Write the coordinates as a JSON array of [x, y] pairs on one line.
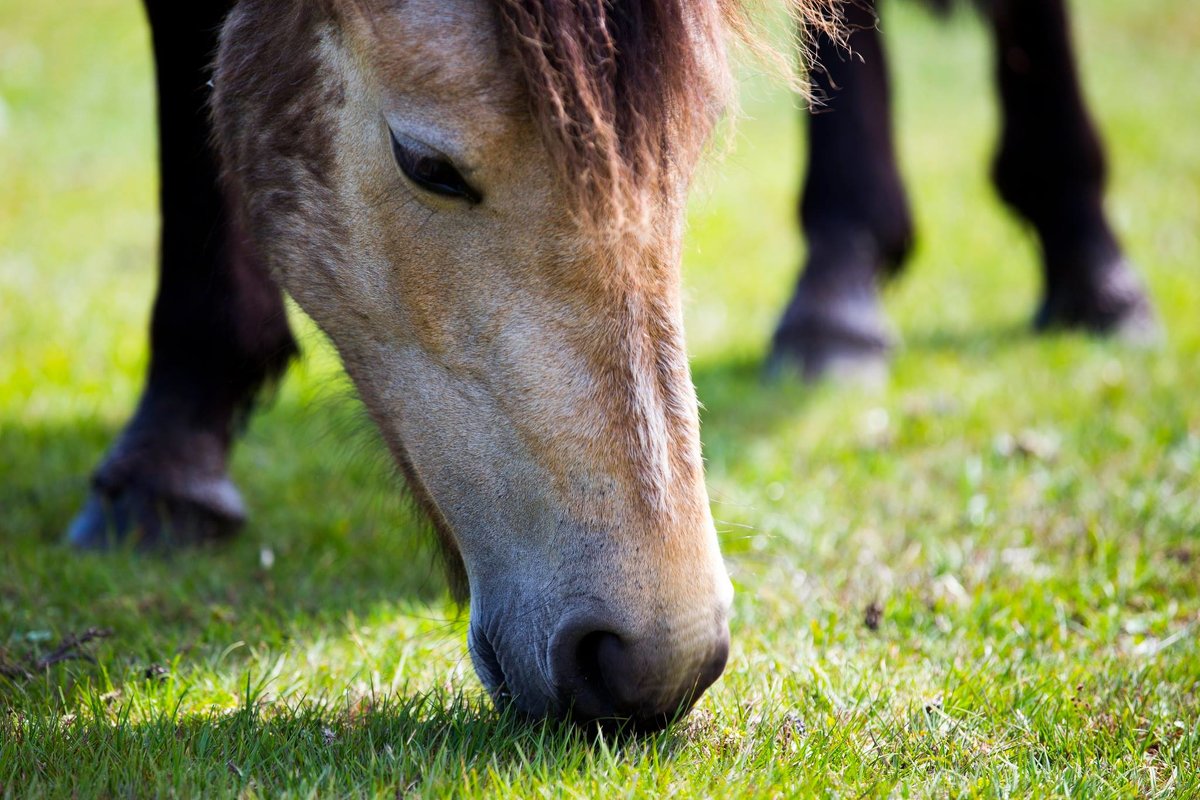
[[596, 668]]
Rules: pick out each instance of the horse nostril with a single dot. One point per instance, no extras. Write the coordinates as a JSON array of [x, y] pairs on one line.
[[587, 659], [579, 674], [601, 676]]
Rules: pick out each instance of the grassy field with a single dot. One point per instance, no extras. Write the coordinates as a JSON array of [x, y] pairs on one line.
[[1018, 517]]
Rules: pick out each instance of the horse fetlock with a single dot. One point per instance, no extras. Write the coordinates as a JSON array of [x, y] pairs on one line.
[[843, 344], [834, 326], [1100, 296], [160, 488], [151, 519]]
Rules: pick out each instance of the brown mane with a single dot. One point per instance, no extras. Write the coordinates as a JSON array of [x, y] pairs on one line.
[[624, 90]]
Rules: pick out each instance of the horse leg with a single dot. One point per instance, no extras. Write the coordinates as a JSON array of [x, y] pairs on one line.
[[854, 213], [217, 333], [1050, 169]]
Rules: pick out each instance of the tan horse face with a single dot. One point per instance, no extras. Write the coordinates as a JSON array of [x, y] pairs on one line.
[[530, 376]]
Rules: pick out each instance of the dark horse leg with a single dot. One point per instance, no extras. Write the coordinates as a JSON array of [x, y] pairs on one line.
[[218, 329], [1050, 169], [854, 212]]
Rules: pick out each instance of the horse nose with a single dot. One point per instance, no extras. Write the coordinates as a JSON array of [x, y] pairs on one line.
[[647, 681]]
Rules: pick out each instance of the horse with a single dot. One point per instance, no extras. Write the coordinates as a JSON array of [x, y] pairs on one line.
[[481, 203], [1049, 169]]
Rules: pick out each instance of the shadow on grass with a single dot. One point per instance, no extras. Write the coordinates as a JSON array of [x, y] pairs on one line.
[[331, 538], [429, 744], [739, 401], [971, 342]]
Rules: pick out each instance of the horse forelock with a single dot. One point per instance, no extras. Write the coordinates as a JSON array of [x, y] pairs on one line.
[[622, 92], [626, 91]]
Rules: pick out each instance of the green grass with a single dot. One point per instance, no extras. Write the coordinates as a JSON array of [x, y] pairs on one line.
[[1025, 512]]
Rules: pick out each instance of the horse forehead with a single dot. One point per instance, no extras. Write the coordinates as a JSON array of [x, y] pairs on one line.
[[449, 47]]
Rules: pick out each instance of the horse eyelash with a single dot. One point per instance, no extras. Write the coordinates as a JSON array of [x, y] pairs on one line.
[[454, 185]]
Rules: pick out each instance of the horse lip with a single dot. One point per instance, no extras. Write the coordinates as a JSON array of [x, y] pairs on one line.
[[487, 665]]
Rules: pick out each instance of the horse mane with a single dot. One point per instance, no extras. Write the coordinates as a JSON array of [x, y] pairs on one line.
[[624, 90]]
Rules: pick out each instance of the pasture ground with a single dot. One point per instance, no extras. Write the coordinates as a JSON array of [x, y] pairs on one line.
[[981, 580]]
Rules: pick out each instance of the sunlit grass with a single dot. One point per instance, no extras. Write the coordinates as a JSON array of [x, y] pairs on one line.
[[1018, 517]]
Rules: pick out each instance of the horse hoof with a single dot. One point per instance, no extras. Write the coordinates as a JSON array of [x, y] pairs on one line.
[[1111, 303], [844, 341], [146, 519]]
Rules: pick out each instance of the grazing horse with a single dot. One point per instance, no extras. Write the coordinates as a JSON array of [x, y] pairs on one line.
[[1049, 169], [481, 203]]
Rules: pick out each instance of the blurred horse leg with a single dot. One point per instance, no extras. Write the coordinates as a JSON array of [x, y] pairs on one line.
[[1050, 169], [218, 330], [854, 213]]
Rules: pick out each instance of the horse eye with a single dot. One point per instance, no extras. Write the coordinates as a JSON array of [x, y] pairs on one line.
[[432, 171]]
